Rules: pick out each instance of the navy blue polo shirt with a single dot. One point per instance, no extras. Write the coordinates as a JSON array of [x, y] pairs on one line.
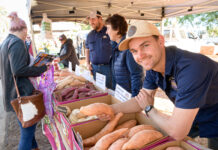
[[99, 46], [190, 81]]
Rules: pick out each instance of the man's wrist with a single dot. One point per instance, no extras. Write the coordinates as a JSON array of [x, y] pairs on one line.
[[148, 108]]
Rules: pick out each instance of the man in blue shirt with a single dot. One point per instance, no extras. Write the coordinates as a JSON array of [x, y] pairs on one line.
[[190, 80], [98, 48]]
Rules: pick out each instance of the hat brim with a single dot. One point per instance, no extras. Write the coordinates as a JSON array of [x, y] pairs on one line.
[[124, 45], [90, 17]]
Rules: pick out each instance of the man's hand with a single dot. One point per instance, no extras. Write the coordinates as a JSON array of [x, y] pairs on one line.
[[89, 67], [144, 99], [104, 117]]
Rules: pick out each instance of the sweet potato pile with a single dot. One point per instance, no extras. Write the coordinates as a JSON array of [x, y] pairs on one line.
[[126, 136], [64, 78], [76, 92]]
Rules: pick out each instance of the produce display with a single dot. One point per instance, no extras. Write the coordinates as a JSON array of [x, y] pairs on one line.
[[108, 139], [141, 138], [107, 129], [76, 92], [125, 136], [97, 109], [128, 124], [122, 132], [138, 128], [118, 144]]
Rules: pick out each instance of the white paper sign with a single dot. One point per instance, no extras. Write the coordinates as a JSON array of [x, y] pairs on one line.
[[100, 81], [121, 94], [70, 67], [77, 70], [87, 75]]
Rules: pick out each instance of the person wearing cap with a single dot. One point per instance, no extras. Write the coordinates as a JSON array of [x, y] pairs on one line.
[[15, 62], [98, 48], [125, 71], [190, 80], [67, 53]]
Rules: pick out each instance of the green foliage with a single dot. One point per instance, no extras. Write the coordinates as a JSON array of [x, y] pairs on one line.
[[208, 20], [167, 22], [85, 27]]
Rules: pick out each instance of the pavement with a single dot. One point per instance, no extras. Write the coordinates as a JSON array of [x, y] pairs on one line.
[[2, 119]]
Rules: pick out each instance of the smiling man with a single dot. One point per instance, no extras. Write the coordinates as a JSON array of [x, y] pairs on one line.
[[190, 80]]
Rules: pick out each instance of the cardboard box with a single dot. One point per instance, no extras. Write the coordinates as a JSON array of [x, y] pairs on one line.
[[57, 103], [181, 144], [91, 127]]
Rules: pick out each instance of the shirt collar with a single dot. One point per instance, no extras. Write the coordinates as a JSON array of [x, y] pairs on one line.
[[103, 30], [169, 61]]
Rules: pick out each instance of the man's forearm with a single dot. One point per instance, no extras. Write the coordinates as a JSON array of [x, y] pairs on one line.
[[161, 120], [130, 106], [166, 123], [87, 57]]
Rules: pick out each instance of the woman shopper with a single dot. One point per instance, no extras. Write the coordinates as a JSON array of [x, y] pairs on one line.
[[125, 71], [67, 53], [15, 61]]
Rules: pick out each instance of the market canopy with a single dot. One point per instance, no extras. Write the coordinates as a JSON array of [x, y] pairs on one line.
[[154, 10]]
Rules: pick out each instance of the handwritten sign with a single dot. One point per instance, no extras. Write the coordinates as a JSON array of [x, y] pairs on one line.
[[121, 94], [77, 70], [101, 81], [70, 67], [87, 74]]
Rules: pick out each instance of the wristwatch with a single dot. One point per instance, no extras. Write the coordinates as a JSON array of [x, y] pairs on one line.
[[148, 108]]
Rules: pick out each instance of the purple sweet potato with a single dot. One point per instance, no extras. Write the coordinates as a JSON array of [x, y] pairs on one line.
[[65, 91], [83, 89]]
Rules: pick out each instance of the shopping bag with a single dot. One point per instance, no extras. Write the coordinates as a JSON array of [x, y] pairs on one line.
[[29, 109], [47, 86]]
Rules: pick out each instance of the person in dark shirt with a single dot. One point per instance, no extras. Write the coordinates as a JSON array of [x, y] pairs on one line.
[[67, 53], [125, 71], [190, 80], [15, 62], [98, 48]]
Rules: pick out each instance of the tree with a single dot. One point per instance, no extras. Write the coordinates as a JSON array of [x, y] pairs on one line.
[[208, 20], [85, 26]]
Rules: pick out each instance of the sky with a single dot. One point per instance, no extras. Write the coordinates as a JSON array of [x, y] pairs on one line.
[[16, 5]]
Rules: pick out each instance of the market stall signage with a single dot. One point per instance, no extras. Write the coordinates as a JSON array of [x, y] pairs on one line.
[[121, 94], [101, 81], [77, 70], [87, 75]]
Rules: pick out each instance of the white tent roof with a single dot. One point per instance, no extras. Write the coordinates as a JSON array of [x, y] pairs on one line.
[[78, 10]]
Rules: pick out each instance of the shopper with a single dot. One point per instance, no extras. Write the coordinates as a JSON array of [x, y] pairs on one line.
[[190, 80], [67, 53], [125, 71], [98, 48], [15, 61], [28, 44]]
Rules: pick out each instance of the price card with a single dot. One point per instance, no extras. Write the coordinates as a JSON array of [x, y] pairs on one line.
[[121, 94], [77, 70], [101, 81], [87, 74], [70, 67]]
